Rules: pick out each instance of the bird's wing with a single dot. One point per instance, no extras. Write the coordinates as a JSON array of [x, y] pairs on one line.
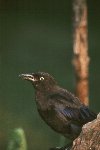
[[66, 97], [80, 115], [71, 108]]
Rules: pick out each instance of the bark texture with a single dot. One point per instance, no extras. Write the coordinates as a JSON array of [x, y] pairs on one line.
[[80, 48], [89, 138]]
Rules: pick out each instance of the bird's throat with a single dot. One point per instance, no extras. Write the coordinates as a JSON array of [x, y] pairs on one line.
[[41, 100]]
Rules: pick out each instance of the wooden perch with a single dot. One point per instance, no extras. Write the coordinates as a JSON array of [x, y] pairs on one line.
[[89, 138], [80, 49]]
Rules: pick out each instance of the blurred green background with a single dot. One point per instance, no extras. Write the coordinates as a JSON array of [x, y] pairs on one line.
[[35, 36]]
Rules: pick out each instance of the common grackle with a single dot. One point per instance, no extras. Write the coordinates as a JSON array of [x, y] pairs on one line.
[[59, 108]]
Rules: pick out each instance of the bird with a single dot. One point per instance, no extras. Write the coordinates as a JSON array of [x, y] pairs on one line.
[[59, 108]]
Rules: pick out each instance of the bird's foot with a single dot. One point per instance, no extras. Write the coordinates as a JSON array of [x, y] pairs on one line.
[[56, 148], [67, 147], [60, 148]]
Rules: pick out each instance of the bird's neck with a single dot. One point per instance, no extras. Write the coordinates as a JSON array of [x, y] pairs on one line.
[[40, 100], [45, 89], [41, 97]]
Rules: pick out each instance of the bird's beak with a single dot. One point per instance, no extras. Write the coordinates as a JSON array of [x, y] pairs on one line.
[[29, 77]]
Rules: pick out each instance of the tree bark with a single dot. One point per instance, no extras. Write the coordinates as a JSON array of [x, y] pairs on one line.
[[89, 139]]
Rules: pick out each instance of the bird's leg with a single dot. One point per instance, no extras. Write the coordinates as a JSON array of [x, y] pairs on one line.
[[67, 147]]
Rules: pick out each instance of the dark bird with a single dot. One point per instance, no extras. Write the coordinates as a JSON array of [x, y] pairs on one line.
[[59, 108]]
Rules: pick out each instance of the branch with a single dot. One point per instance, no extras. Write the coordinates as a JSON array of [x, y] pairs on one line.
[[89, 138], [80, 48]]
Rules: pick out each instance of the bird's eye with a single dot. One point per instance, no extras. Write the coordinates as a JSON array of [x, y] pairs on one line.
[[41, 78]]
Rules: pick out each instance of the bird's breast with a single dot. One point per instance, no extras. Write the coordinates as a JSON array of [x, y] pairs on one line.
[[55, 121]]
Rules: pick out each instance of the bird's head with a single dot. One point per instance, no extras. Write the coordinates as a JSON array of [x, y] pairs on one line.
[[40, 80]]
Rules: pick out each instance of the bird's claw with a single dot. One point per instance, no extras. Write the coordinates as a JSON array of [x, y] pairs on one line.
[[60, 148], [56, 148]]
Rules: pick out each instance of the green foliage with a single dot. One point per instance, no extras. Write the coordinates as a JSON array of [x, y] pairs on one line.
[[17, 140]]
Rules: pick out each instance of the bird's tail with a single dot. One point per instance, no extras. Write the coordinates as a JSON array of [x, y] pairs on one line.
[[87, 114]]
